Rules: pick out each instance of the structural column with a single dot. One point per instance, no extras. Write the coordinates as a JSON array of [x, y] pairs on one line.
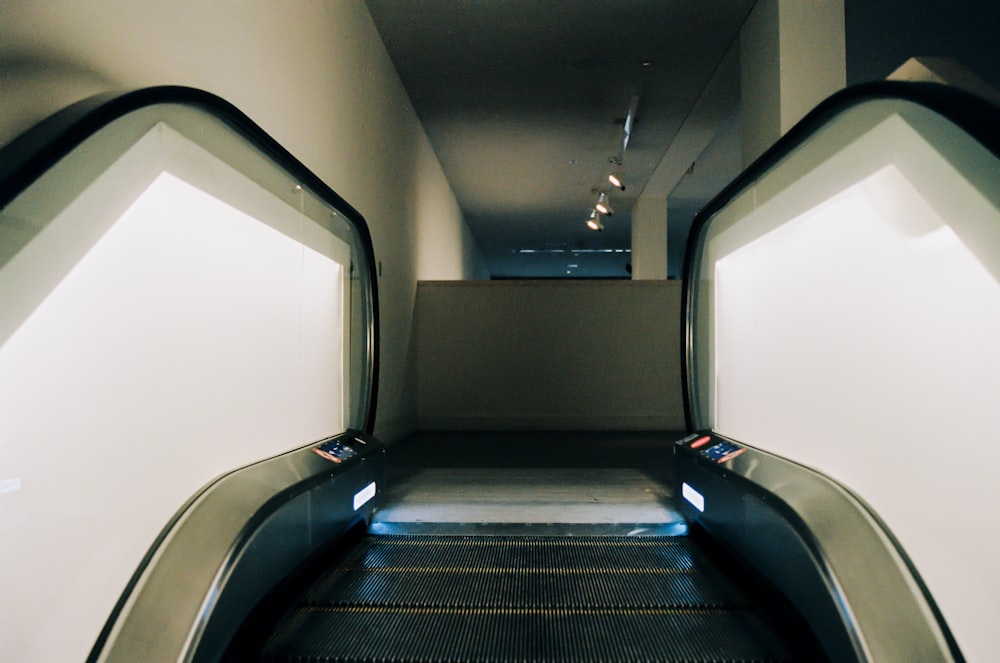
[[792, 55], [649, 238]]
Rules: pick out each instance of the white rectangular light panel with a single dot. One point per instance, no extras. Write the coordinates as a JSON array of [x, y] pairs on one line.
[[364, 495], [696, 499]]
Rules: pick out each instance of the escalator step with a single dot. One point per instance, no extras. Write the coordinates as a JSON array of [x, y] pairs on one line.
[[530, 571], [498, 635], [494, 598], [533, 587], [589, 589], [486, 552]]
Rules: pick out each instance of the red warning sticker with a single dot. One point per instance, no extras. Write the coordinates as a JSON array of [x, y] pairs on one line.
[[325, 454], [701, 441], [732, 455]]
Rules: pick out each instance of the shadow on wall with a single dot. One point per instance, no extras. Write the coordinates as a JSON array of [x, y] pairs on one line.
[[35, 87]]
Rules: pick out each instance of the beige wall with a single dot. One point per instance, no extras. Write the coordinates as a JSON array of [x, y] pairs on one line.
[[760, 80], [792, 57], [569, 355], [314, 75], [649, 237]]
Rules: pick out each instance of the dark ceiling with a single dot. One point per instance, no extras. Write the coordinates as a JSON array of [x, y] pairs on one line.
[[524, 102]]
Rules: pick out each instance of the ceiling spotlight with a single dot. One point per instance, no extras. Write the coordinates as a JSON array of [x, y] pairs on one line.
[[594, 222], [603, 205], [616, 181]]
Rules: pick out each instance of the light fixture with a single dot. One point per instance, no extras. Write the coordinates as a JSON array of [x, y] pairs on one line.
[[594, 222], [603, 205]]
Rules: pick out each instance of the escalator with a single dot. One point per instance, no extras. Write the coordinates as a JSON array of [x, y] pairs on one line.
[[198, 430]]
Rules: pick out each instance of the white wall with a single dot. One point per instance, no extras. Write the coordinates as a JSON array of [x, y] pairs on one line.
[[558, 355], [314, 75]]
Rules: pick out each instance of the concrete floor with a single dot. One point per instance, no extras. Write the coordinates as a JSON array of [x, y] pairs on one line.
[[536, 483]]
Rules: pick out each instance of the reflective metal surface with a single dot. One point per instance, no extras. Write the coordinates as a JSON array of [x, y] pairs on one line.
[[820, 545], [237, 539]]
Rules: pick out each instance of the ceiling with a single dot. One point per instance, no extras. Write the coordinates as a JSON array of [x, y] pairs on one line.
[[525, 104]]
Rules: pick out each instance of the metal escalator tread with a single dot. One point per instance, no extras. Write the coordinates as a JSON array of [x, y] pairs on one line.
[[485, 598]]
